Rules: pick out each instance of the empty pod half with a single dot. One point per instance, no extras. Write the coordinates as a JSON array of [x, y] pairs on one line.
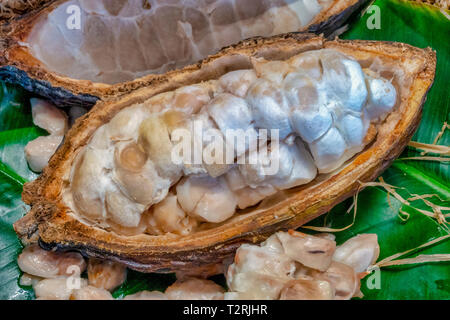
[[75, 52]]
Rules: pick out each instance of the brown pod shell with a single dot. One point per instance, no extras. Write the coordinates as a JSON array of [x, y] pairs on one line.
[[56, 228]]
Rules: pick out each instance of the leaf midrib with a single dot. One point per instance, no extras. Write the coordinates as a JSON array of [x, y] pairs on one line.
[[423, 177], [10, 174]]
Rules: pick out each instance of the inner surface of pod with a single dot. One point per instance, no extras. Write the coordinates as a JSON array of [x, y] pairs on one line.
[[113, 41]]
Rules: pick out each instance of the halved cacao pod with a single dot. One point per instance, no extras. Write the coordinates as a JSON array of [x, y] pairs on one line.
[[119, 45], [412, 70]]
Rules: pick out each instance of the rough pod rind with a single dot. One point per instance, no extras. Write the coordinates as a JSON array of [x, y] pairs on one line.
[[56, 228], [19, 66]]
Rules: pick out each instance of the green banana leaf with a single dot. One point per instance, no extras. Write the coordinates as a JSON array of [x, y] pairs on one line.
[[377, 212]]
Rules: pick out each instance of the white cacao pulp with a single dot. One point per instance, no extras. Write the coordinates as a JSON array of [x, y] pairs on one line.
[[317, 110], [287, 266], [48, 117]]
